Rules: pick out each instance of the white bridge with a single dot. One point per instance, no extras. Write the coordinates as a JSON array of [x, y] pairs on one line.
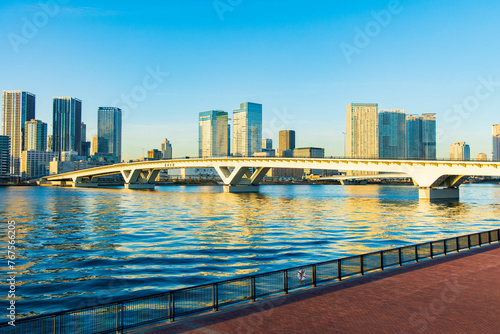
[[436, 179]]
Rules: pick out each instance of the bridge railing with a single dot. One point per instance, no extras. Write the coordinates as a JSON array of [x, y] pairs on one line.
[[169, 306]]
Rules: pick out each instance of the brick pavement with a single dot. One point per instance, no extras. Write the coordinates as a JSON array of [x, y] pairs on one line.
[[453, 294]]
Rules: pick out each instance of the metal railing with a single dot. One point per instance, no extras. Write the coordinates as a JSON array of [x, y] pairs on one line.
[[117, 316]]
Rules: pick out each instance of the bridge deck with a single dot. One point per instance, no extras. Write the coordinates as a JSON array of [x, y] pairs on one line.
[[455, 294]]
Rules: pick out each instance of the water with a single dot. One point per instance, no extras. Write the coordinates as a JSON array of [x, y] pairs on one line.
[[79, 247]]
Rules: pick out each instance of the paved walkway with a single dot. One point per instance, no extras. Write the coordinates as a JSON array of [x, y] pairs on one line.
[[454, 294]]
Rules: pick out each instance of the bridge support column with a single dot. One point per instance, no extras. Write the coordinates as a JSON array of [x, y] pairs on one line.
[[427, 193], [79, 182], [241, 180], [138, 179]]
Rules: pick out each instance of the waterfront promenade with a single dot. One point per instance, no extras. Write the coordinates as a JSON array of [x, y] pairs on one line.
[[454, 294]]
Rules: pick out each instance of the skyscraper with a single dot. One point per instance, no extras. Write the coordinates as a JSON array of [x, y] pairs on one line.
[[247, 129], [35, 136], [4, 156], [67, 119], [166, 149], [213, 134], [286, 143], [496, 142], [460, 151], [362, 130], [83, 132], [109, 131], [421, 136], [429, 136], [17, 108], [392, 134]]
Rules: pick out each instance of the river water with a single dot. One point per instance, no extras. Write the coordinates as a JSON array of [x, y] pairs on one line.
[[79, 247]]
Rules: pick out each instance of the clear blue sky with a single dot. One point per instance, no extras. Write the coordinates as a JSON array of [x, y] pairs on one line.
[[426, 57]]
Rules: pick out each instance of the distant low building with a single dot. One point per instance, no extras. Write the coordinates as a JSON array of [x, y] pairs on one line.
[[155, 154], [265, 153], [310, 152], [482, 157], [36, 164], [193, 174]]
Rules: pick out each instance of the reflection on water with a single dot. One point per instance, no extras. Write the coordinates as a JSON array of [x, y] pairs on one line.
[[79, 247]]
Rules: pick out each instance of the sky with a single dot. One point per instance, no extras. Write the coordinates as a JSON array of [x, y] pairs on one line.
[[163, 62]]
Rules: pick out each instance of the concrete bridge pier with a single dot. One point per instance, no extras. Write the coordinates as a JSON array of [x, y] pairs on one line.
[[241, 179], [138, 179], [436, 187], [80, 182]]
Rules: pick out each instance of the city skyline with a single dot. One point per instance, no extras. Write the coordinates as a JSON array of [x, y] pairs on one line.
[[303, 66]]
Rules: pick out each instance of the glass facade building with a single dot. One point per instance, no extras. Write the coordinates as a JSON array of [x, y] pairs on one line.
[[213, 133], [496, 142], [36, 136], [67, 119], [247, 129], [109, 131], [4, 156], [392, 134], [421, 136], [18, 107]]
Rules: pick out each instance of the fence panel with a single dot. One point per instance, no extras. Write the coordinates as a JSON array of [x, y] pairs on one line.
[[101, 319], [192, 300], [474, 240], [232, 292], [451, 245], [463, 242], [327, 271], [484, 238], [371, 262], [494, 235], [145, 310], [408, 254], [268, 284], [351, 266], [438, 247], [293, 277], [391, 257], [424, 251]]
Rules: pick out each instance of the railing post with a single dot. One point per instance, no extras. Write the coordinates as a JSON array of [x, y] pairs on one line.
[[172, 296], [382, 260], [489, 238], [285, 282], [480, 239], [339, 270], [361, 265], [169, 306], [215, 297], [400, 257], [252, 288], [416, 253], [314, 275], [117, 308], [444, 247], [431, 249], [457, 241], [121, 317], [468, 241]]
